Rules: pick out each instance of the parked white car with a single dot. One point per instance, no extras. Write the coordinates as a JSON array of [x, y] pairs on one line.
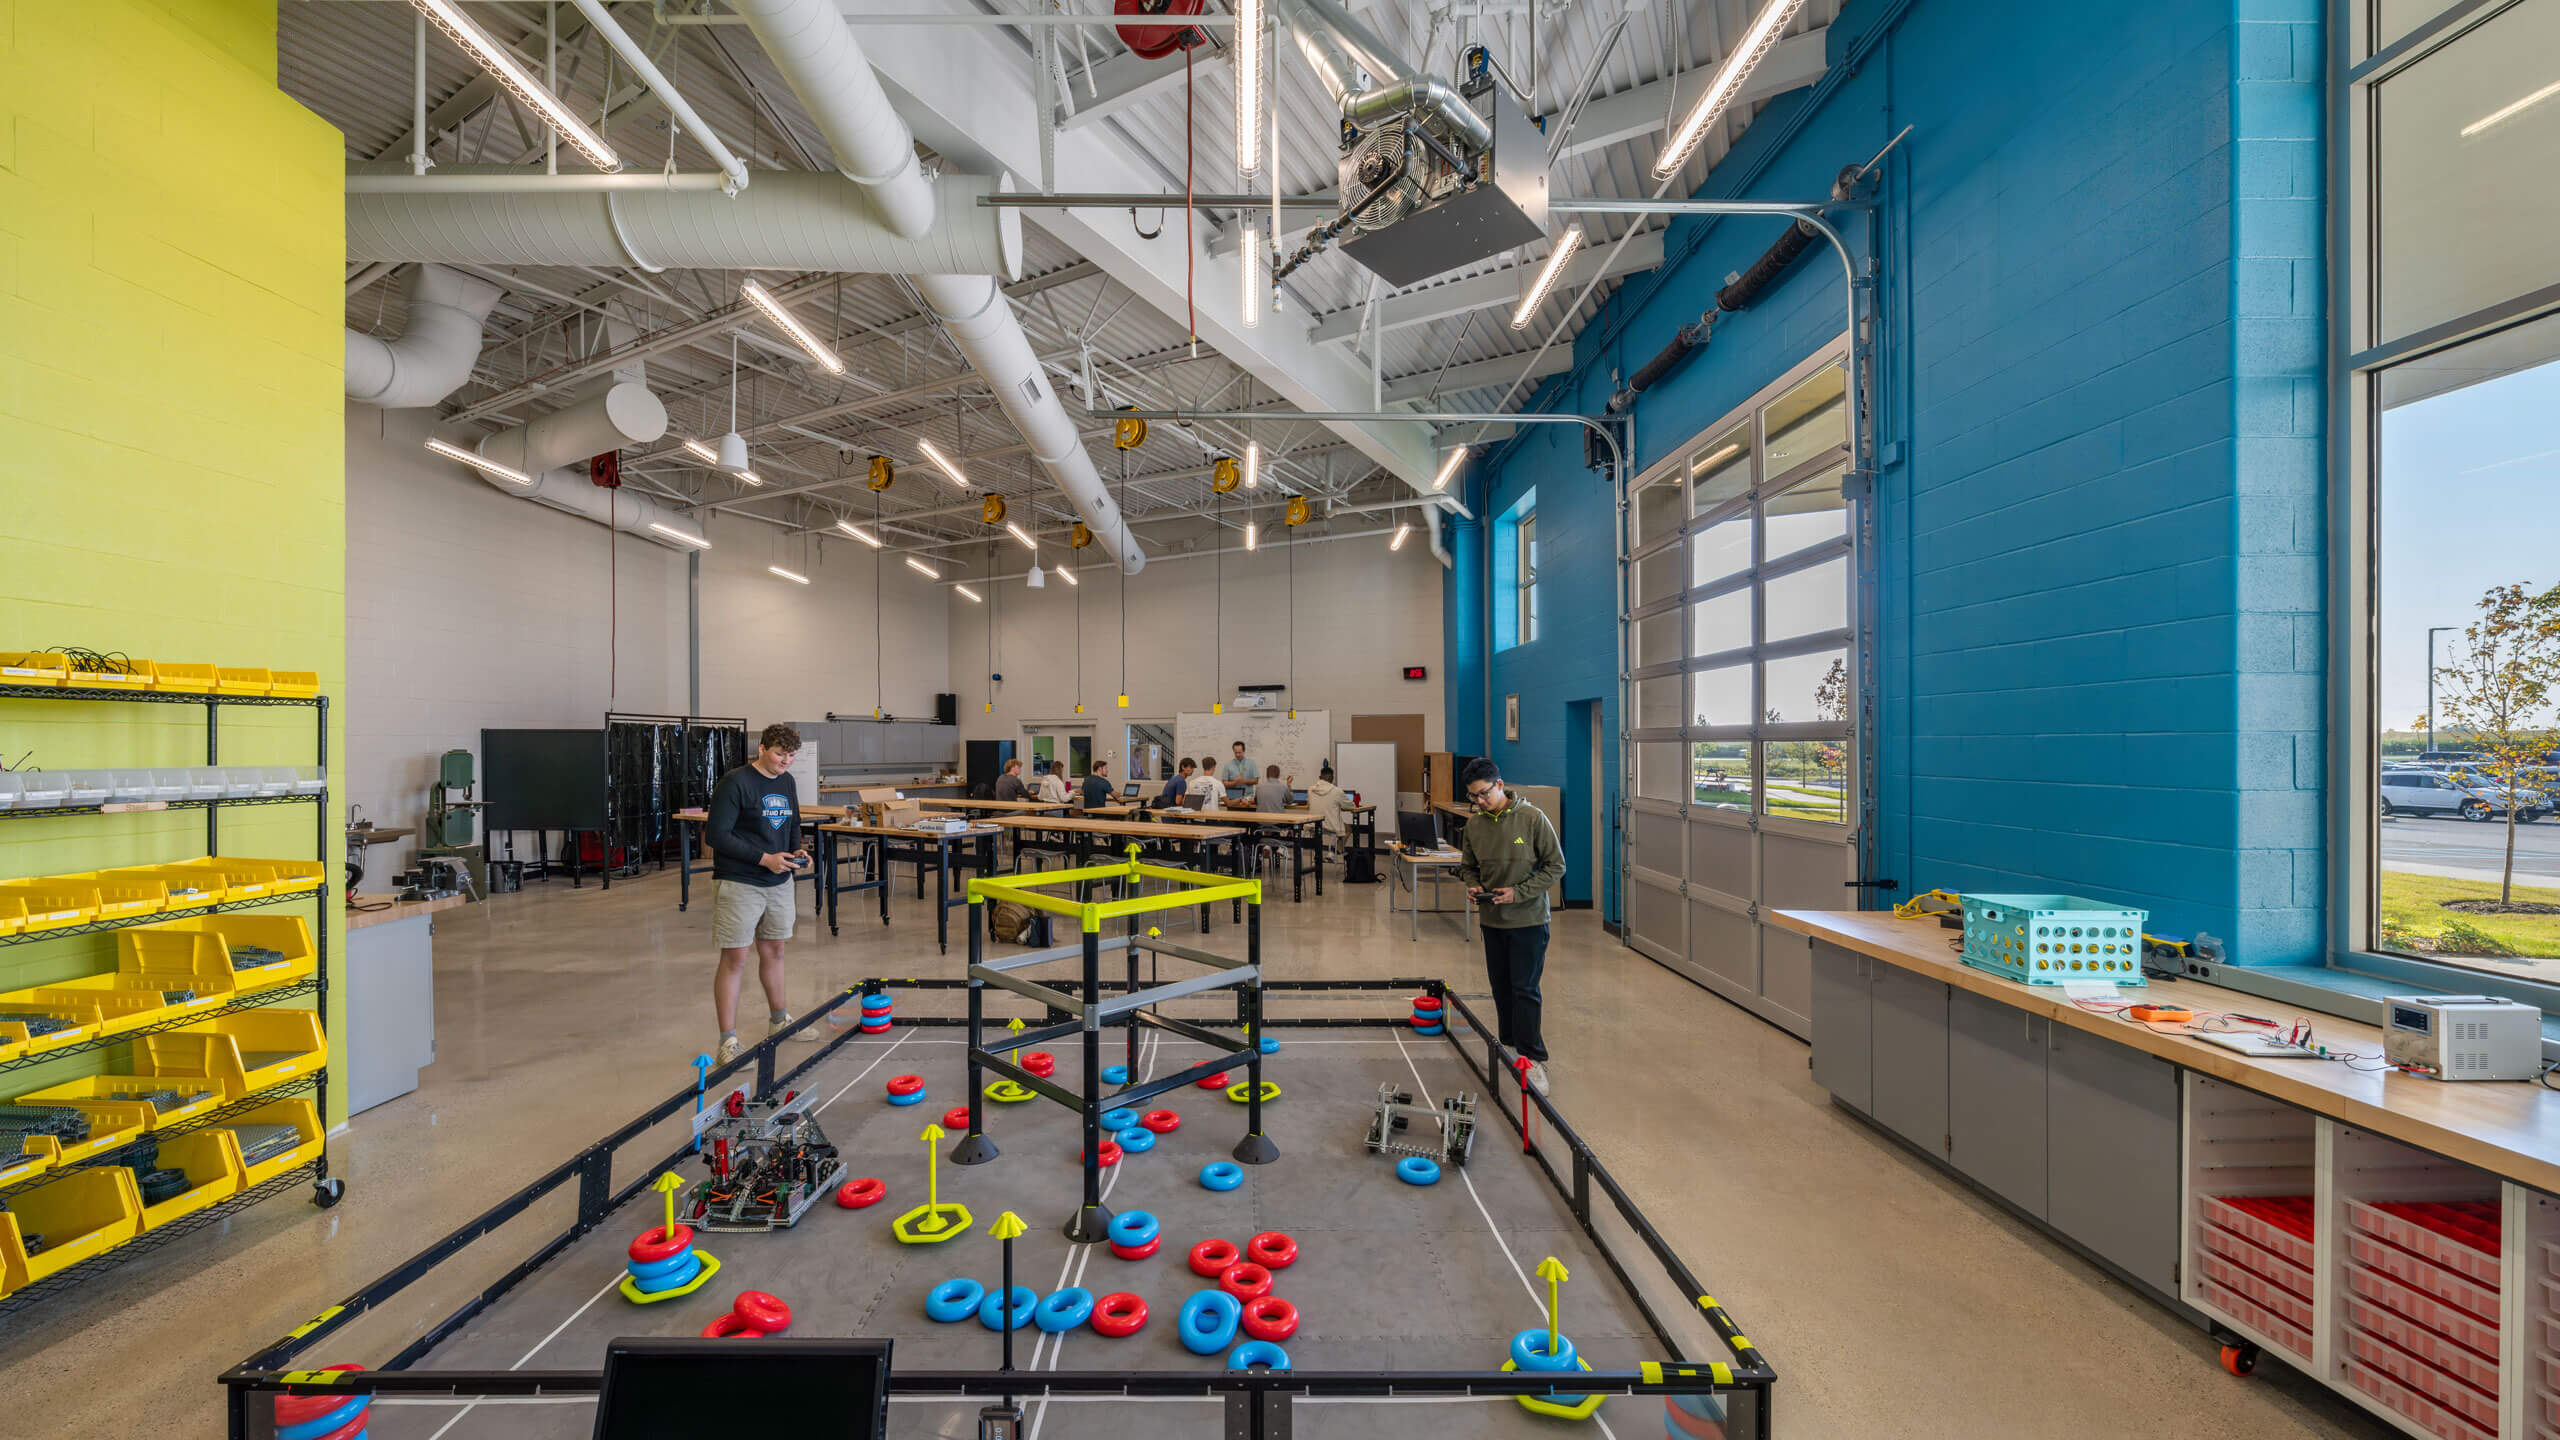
[[2426, 792]]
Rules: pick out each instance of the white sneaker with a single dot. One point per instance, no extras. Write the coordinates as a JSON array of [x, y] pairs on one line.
[[1538, 1077], [805, 1037], [731, 1047]]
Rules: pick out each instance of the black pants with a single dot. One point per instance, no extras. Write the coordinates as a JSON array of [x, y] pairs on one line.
[[1513, 962]]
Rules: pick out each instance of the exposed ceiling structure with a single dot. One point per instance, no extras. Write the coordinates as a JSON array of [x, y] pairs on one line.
[[1100, 294]]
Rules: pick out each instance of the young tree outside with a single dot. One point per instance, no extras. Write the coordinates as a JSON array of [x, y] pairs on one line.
[[2496, 690]]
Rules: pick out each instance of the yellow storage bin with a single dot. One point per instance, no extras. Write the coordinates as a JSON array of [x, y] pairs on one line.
[[136, 675], [211, 1160], [123, 895], [81, 1013], [101, 1006], [280, 877], [178, 675], [79, 1215], [300, 684], [156, 959], [243, 679], [13, 914], [33, 667], [287, 935], [295, 1111], [111, 1123], [250, 1051], [181, 889], [196, 1095], [19, 1169], [240, 879], [53, 904]]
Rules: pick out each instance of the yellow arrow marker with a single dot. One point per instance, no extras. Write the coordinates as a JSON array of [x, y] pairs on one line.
[[1015, 1053], [1553, 1272], [667, 1185], [1008, 1225], [932, 1171]]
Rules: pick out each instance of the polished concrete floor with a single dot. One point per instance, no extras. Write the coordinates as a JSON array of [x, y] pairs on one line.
[[1892, 1302]]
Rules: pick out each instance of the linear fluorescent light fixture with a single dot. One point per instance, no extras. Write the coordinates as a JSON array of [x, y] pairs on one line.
[[1252, 464], [790, 325], [1068, 575], [673, 533], [2509, 112], [794, 576], [942, 463], [703, 453], [923, 569], [1248, 69], [1249, 270], [972, 594], [1566, 244], [505, 69], [1018, 533], [858, 533], [478, 461], [1449, 467], [1754, 47], [1401, 531]]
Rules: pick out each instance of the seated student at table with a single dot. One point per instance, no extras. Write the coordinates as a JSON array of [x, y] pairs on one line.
[[1009, 785], [1206, 788], [1176, 791], [1329, 801], [1052, 788], [1096, 791], [1272, 795]]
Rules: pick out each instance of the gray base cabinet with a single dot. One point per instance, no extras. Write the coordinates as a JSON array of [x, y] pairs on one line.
[[2112, 1114], [1843, 1029], [1996, 1125], [1911, 1057]]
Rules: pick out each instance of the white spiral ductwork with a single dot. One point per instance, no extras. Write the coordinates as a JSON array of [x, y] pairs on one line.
[[813, 47], [434, 355], [554, 448], [789, 220]]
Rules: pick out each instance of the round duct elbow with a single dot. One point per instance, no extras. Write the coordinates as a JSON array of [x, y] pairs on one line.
[[434, 354], [619, 415]]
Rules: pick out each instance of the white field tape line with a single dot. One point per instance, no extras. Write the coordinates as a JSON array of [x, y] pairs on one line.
[[1423, 1091], [521, 1360], [1082, 1255], [867, 1069]]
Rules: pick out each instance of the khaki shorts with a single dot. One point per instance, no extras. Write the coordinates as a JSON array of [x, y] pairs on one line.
[[742, 914]]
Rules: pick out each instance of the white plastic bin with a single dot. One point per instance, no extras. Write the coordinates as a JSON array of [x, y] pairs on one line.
[[128, 785], [310, 780], [88, 787], [172, 783], [275, 779], [204, 782], [240, 781], [12, 788], [44, 790]]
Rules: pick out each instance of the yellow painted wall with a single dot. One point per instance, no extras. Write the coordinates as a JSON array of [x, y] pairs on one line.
[[171, 435]]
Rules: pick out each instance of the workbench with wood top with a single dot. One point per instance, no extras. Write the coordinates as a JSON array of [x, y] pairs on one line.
[[1304, 833], [1078, 839], [2306, 1207], [688, 823], [940, 851]]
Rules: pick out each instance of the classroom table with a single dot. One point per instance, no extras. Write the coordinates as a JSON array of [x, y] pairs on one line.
[[1409, 867], [924, 849], [685, 838], [1077, 838], [1305, 837]]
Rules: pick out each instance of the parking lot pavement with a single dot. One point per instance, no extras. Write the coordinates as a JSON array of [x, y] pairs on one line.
[[2468, 850]]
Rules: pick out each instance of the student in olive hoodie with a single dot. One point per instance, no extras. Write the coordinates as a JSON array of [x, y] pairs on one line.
[[1509, 859]]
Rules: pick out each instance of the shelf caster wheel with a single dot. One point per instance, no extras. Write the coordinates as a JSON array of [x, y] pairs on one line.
[[2240, 1360], [329, 1192]]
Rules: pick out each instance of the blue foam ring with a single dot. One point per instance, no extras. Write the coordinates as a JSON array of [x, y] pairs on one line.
[[1115, 1074], [1419, 1170], [673, 1279], [912, 1097], [1428, 1029], [1270, 1044], [1426, 1017], [314, 1428], [1136, 1138], [878, 1001], [1120, 1119], [1705, 1407], [652, 1269], [1209, 1321], [1221, 1175], [1063, 1309], [1258, 1352], [954, 1300], [991, 1313], [1529, 1350], [1134, 1228]]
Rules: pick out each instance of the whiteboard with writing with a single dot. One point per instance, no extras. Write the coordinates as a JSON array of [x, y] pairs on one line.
[[1298, 744]]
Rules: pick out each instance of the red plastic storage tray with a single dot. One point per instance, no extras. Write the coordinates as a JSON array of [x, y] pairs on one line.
[[2266, 1262], [2461, 1236], [2455, 1360], [2474, 1405], [2425, 1413], [2281, 1223], [2423, 1274], [2463, 1329], [2251, 1285], [2287, 1335]]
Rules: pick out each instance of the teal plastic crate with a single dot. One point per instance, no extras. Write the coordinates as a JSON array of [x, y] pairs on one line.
[[2053, 939]]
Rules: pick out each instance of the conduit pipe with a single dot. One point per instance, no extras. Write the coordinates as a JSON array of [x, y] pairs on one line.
[[790, 220], [813, 47], [434, 355], [733, 170]]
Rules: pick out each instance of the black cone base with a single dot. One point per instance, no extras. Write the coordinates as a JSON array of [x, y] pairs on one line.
[[973, 1150], [1256, 1150], [1090, 1225]]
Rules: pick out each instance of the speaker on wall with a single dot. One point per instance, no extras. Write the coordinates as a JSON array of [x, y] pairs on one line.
[[946, 709]]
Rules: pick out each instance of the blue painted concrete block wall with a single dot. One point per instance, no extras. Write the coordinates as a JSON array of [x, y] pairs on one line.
[[2099, 516]]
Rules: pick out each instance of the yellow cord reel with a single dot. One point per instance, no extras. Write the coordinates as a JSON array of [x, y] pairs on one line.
[[993, 510], [884, 472], [1225, 474], [1128, 433], [1296, 512], [1080, 536]]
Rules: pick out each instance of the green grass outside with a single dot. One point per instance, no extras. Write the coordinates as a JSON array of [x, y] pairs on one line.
[[2414, 903]]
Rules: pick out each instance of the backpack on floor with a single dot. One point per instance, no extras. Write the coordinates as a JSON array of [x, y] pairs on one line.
[[1018, 924]]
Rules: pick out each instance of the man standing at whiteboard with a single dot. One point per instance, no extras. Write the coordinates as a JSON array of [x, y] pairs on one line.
[[1239, 771]]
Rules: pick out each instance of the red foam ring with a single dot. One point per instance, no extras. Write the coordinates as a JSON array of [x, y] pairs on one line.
[[302, 1409], [1110, 1153], [1135, 1252], [1680, 1422], [861, 1194], [655, 1244], [905, 1084], [1211, 1258], [1040, 1063], [1163, 1122], [1245, 1280], [1212, 1082], [1426, 1002], [956, 1118], [1118, 1315], [730, 1327], [880, 1029], [1268, 1317], [763, 1310], [1272, 1250]]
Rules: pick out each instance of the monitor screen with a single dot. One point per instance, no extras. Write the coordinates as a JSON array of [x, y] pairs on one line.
[[685, 1389], [1417, 831]]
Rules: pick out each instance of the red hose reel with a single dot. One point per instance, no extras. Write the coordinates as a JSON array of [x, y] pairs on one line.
[[1154, 42]]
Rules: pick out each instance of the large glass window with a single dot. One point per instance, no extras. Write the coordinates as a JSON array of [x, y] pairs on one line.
[[2450, 305], [1515, 566], [1527, 537]]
